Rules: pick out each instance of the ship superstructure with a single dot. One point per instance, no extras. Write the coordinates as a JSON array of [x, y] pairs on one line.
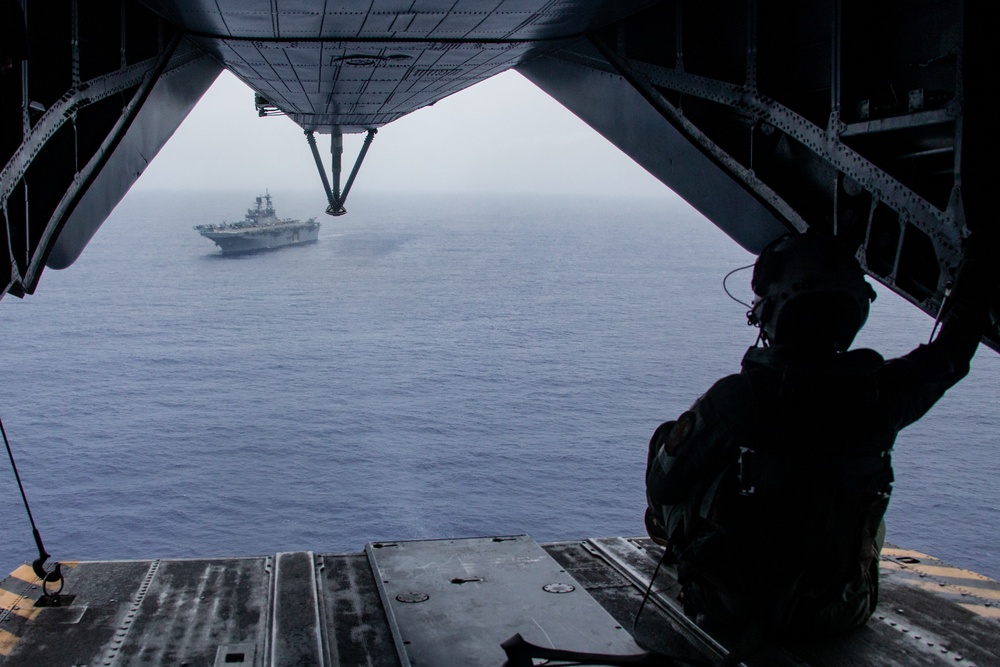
[[260, 229]]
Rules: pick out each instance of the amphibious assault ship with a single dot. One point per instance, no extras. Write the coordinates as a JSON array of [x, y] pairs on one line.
[[871, 121], [261, 229]]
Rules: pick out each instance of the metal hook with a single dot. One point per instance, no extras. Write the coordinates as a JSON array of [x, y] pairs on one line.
[[51, 578]]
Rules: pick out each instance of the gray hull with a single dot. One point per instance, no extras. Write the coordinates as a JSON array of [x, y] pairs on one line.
[[263, 238]]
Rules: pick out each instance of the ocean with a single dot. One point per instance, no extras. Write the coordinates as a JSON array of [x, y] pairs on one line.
[[434, 366]]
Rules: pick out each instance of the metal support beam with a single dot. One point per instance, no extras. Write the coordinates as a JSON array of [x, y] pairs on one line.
[[59, 113], [639, 76], [357, 164], [336, 154], [334, 196], [311, 140], [890, 190]]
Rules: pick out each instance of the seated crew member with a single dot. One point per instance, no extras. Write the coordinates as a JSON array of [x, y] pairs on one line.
[[769, 492]]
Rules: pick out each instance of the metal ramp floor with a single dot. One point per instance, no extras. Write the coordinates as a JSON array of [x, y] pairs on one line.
[[451, 602]]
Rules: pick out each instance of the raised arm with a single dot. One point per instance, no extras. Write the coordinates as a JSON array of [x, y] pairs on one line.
[[914, 382]]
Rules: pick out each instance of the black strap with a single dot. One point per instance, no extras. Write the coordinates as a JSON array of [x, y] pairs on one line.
[[38, 565], [521, 653]]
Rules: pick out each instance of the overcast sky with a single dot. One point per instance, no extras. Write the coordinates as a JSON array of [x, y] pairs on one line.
[[502, 135]]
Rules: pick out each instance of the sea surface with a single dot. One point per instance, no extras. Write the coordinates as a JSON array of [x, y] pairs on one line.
[[434, 366]]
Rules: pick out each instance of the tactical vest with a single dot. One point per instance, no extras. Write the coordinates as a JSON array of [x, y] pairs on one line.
[[769, 494]]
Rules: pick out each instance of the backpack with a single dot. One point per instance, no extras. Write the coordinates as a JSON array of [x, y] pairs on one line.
[[769, 494]]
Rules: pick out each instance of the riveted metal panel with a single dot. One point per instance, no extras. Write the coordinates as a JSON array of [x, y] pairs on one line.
[[452, 602]]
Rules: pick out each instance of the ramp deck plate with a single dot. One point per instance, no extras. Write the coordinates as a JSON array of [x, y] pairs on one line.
[[451, 602]]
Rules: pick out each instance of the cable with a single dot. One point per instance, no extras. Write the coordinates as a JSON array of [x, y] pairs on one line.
[[17, 476], [39, 564], [726, 289], [645, 597]]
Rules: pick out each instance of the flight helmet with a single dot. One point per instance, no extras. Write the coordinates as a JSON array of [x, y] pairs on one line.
[[809, 291]]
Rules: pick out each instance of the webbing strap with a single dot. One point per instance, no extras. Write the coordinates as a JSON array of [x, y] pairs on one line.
[[521, 653]]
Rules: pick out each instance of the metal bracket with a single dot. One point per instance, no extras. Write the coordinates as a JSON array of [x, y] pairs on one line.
[[334, 196]]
